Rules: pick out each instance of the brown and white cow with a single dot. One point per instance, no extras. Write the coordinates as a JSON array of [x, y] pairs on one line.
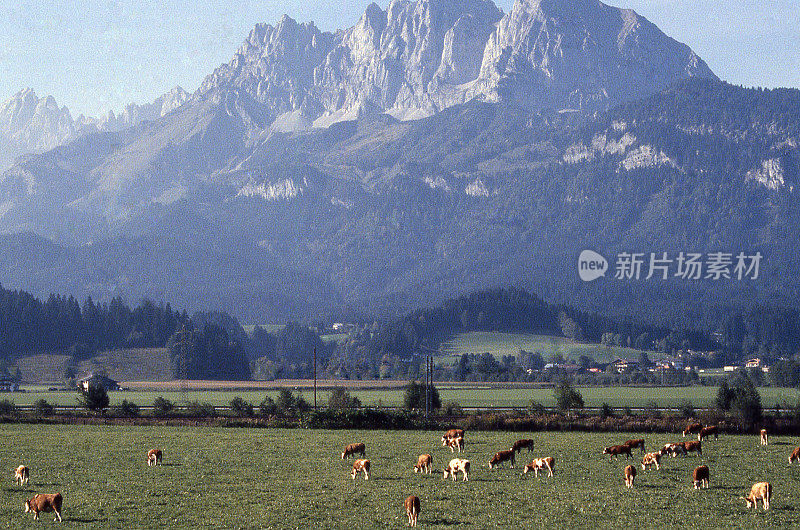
[[352, 449], [760, 490], [424, 464], [692, 428], [795, 456], [454, 443], [673, 450], [153, 457], [22, 475], [452, 433], [502, 456], [764, 437], [651, 459], [360, 465], [633, 444], [44, 502], [541, 463], [412, 509], [705, 432], [615, 450], [519, 445], [456, 465], [701, 477], [630, 474], [693, 446]]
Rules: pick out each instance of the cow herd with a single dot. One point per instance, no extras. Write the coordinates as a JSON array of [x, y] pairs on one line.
[[454, 439], [701, 475]]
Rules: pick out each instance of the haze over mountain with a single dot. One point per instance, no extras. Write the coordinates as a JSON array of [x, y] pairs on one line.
[[30, 124], [432, 148]]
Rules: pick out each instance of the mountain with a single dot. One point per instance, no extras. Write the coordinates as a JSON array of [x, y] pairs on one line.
[[293, 182], [30, 124], [417, 58]]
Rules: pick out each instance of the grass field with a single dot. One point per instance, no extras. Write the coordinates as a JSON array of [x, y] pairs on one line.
[[246, 478], [500, 344], [465, 395]]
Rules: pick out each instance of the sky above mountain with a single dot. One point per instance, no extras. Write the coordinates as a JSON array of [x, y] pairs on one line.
[[95, 56]]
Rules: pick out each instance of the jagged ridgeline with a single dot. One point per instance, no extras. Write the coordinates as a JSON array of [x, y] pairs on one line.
[[433, 149]]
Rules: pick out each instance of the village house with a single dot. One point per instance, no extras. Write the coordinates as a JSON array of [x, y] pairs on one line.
[[99, 379]]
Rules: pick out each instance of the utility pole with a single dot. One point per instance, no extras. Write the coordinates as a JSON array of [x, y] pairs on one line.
[[315, 378], [427, 386], [184, 340]]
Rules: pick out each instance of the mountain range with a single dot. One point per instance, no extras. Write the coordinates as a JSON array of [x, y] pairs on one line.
[[433, 148]]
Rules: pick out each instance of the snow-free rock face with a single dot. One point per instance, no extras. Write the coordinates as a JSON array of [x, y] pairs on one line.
[[30, 124], [580, 54], [135, 114], [419, 57]]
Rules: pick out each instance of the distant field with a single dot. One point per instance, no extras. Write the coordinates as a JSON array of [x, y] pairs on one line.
[[465, 395], [274, 478], [500, 344], [134, 364]]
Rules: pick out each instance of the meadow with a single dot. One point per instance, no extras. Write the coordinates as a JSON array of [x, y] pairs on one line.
[[272, 478], [501, 344], [465, 394]]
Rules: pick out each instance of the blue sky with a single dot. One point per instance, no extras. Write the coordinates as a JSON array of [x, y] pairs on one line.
[[94, 56]]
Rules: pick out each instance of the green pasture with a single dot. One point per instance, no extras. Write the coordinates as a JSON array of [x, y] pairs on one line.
[[500, 344], [273, 478], [466, 395]]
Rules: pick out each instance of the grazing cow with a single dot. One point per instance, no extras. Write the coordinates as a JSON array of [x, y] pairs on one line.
[[424, 464], [700, 477], [541, 463], [651, 459], [633, 444], [452, 433], [795, 456], [452, 443], [521, 444], [358, 466], [500, 457], [693, 446], [705, 432], [44, 502], [615, 450], [692, 428], [764, 437], [412, 509], [630, 474], [22, 474], [673, 450], [352, 449], [153, 457], [760, 490], [456, 465]]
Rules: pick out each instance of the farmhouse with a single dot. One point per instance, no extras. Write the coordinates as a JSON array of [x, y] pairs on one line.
[[8, 384], [622, 366], [99, 379]]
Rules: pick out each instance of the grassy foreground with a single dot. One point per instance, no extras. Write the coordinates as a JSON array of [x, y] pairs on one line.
[[238, 478]]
